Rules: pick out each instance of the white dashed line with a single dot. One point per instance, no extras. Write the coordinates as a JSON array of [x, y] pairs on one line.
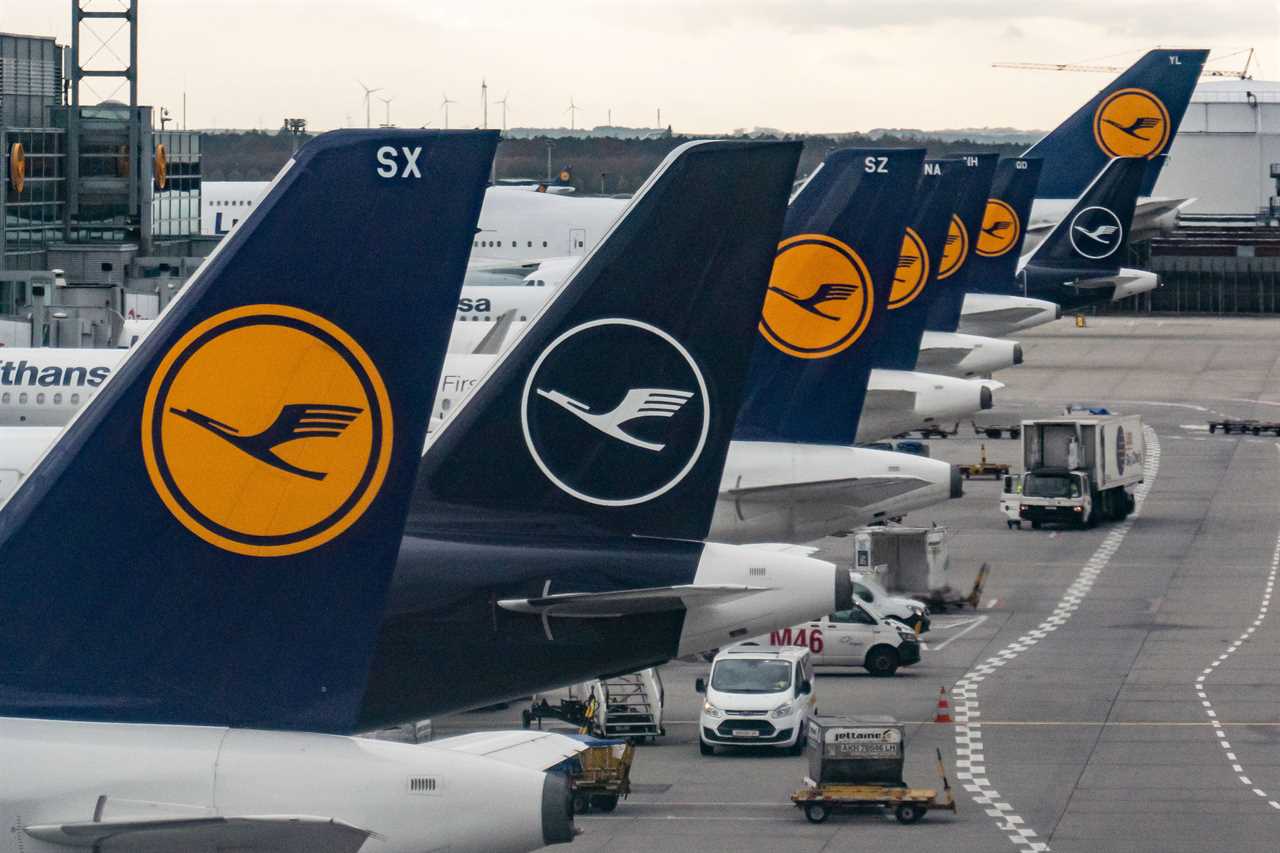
[[1207, 705], [971, 766]]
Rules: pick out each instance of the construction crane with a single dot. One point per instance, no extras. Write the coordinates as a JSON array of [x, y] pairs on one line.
[[1243, 74]]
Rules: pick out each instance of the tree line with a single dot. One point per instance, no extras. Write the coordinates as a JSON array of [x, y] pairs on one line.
[[594, 165]]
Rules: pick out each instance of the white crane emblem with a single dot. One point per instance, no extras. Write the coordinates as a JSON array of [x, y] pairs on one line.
[[638, 403]]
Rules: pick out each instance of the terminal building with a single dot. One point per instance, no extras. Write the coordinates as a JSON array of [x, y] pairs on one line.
[[101, 210]]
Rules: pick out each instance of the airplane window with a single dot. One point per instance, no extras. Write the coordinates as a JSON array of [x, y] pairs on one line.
[[544, 244], [57, 399], [522, 317], [581, 244], [75, 399], [446, 404], [4, 398], [530, 244], [40, 399]]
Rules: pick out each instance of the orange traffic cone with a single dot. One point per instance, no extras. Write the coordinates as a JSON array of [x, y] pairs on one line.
[[943, 714]]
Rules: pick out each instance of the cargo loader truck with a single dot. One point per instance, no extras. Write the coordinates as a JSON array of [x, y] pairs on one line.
[[1079, 470]]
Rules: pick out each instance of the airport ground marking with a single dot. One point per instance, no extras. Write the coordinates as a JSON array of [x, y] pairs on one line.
[[970, 761], [1206, 704], [973, 623]]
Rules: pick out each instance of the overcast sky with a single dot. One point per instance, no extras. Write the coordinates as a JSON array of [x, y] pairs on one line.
[[800, 65]]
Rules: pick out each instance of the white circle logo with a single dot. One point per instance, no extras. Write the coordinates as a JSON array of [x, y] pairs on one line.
[[612, 430], [1096, 233]]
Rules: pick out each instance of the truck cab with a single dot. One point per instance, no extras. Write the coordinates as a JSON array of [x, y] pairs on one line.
[[1080, 470], [1056, 495]]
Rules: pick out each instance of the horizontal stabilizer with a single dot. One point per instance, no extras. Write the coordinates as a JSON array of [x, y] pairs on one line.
[[1003, 315], [529, 749], [608, 605], [936, 359], [889, 399], [851, 492], [273, 833]]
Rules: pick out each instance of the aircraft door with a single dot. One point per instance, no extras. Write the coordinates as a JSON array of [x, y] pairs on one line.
[[577, 241]]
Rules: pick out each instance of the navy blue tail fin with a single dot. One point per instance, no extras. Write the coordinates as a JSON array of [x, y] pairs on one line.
[[1137, 115], [994, 263], [211, 540], [826, 309], [922, 248], [612, 413], [1093, 235], [962, 237]]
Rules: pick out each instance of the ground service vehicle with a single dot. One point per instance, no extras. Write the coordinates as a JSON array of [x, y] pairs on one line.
[[908, 611], [859, 636], [757, 696], [1079, 470]]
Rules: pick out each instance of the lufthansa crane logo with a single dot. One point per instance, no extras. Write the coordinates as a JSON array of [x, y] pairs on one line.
[[267, 430], [955, 250], [1000, 229], [1096, 233], [1131, 123], [615, 431], [820, 297], [912, 272]]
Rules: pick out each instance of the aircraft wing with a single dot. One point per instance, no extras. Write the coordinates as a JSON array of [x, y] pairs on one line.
[[502, 266], [852, 491], [267, 833], [602, 605], [935, 358], [529, 749], [785, 548]]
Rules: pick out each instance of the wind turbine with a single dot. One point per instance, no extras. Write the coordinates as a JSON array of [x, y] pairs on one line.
[[503, 103], [573, 113], [444, 104], [387, 102], [368, 120]]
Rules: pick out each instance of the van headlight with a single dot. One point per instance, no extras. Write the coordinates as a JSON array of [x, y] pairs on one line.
[[783, 710], [711, 710]]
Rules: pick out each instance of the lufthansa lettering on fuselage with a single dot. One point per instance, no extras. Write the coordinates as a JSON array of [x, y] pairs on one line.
[[25, 373], [467, 304]]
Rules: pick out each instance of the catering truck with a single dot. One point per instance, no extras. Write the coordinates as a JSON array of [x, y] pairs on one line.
[[1080, 470]]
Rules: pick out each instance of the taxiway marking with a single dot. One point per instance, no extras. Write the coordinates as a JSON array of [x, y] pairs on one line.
[[1201, 688], [970, 761]]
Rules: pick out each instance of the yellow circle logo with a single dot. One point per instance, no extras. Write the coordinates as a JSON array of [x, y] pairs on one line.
[[956, 249], [1131, 123], [1000, 229], [267, 430], [17, 167], [912, 272], [819, 298]]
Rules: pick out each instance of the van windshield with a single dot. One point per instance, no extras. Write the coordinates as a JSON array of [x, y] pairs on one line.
[[1051, 486], [751, 676]]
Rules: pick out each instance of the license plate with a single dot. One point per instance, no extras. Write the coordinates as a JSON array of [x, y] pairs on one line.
[[745, 733]]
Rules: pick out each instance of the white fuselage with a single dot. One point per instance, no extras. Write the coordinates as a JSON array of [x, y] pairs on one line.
[[994, 314], [158, 772], [899, 401]]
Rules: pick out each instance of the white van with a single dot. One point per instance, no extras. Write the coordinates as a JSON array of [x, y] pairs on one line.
[[757, 696], [859, 636], [908, 611]]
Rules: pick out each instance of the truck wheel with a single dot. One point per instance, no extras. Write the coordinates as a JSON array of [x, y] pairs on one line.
[[909, 812], [705, 748], [993, 433], [817, 812], [581, 804], [882, 661], [604, 802]]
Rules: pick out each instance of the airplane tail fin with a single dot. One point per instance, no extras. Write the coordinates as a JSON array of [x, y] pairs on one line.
[[961, 243], [613, 411], [1137, 115], [1093, 235], [995, 260], [922, 249], [210, 541], [825, 312]]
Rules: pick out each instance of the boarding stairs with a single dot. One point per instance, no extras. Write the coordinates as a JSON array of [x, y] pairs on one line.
[[629, 706]]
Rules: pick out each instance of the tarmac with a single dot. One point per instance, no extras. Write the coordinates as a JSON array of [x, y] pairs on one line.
[[1116, 689]]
